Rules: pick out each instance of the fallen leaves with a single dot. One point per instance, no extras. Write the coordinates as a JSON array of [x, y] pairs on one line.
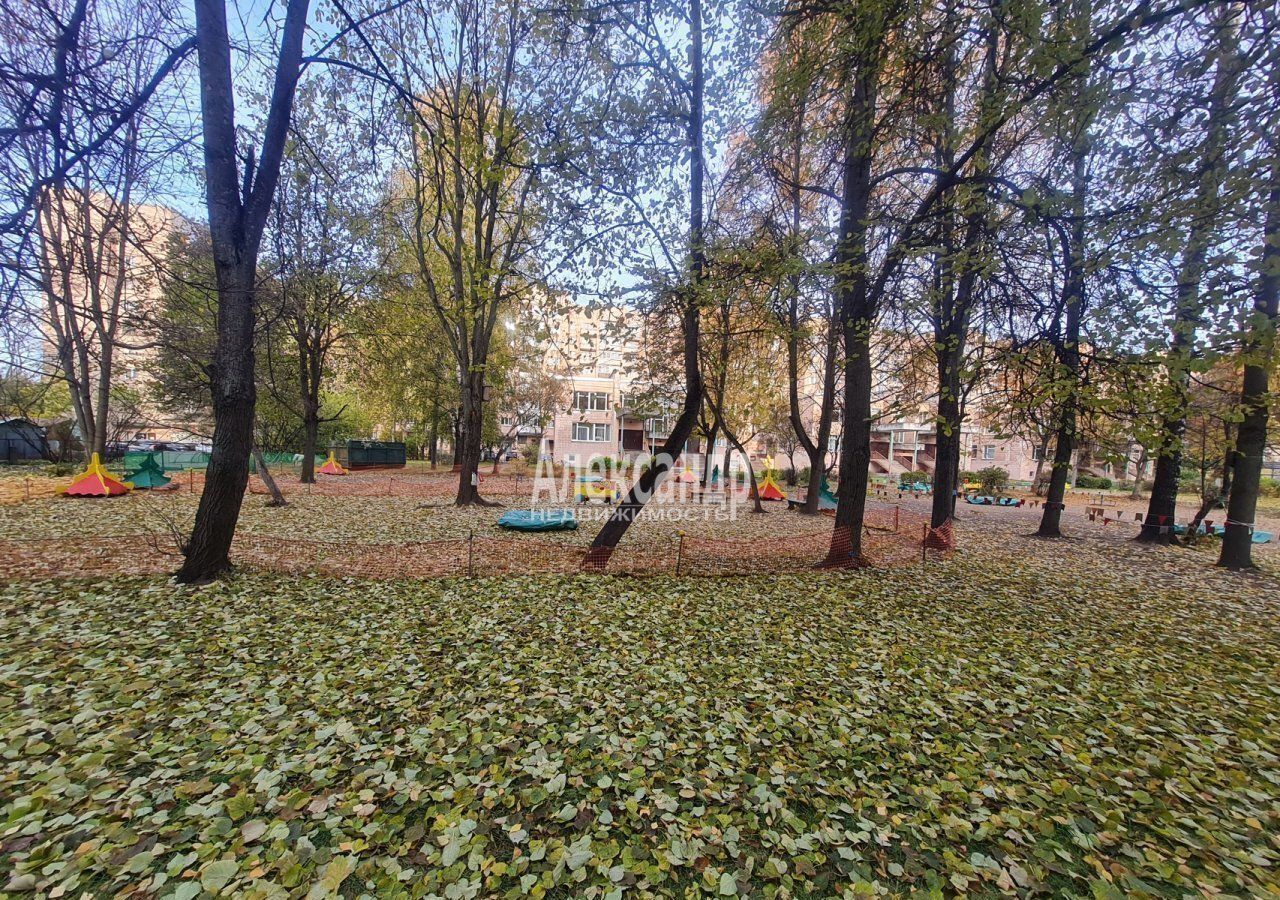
[[1025, 725]]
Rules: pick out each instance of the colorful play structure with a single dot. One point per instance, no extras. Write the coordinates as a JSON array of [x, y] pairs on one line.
[[769, 489], [332, 466], [987, 500], [538, 520], [149, 476], [95, 481], [826, 498], [594, 487]]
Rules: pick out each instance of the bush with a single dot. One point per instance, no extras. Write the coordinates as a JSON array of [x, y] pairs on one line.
[[915, 478], [1094, 482], [993, 479], [1269, 487], [61, 470]]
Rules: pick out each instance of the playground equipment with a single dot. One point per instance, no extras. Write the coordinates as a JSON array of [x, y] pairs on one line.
[[539, 520], [332, 466], [826, 499], [1257, 536], [986, 500], [594, 487], [149, 476], [94, 481], [769, 489]]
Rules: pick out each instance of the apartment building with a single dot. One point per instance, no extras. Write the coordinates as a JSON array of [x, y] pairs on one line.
[[602, 356], [100, 304]]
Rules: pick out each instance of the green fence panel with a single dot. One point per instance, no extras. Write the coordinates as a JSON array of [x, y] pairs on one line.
[[169, 460]]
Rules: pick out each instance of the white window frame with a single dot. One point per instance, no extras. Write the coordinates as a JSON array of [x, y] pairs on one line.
[[597, 432], [989, 451], [595, 401]]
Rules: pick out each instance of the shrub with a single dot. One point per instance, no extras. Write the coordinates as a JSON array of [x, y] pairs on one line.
[[1094, 482], [60, 470], [993, 479], [1269, 487], [915, 478]]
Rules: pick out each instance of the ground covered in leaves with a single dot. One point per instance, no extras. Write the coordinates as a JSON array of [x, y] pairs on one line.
[[1021, 718]]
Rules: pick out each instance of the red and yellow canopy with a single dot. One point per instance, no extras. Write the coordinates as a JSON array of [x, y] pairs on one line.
[[94, 481]]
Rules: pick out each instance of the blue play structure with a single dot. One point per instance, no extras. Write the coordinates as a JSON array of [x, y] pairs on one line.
[[986, 500], [1258, 537], [826, 499], [539, 520]]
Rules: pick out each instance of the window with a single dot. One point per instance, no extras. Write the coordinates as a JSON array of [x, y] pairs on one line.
[[989, 451], [590, 400], [1036, 454], [590, 431], [507, 420]]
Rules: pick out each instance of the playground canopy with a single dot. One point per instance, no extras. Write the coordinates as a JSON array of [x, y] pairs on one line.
[[149, 475], [769, 489], [332, 466], [95, 481]]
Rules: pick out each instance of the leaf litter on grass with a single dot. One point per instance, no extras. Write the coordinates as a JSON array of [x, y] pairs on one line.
[[993, 724]]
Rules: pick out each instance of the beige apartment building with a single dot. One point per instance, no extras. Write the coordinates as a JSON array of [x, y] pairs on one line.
[[605, 359], [99, 302], [601, 355]]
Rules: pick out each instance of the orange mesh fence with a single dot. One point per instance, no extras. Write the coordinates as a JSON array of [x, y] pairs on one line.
[[889, 537]]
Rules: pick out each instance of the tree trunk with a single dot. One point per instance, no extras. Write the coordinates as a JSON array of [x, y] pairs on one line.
[[277, 498], [712, 434], [234, 396], [470, 435], [1068, 349], [815, 449], [310, 433], [1213, 501], [855, 313], [1251, 437], [1136, 492], [433, 446]]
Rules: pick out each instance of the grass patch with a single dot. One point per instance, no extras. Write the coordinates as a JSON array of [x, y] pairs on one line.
[[818, 735]]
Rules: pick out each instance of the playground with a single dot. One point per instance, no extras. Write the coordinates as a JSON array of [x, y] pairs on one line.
[[401, 523]]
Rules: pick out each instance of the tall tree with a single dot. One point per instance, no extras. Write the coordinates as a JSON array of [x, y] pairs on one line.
[[682, 86], [87, 136], [485, 100], [1190, 293], [239, 200], [1259, 354], [1077, 140], [324, 256]]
